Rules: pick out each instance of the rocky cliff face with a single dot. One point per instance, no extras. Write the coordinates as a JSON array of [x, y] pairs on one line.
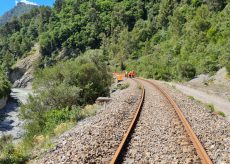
[[21, 75]]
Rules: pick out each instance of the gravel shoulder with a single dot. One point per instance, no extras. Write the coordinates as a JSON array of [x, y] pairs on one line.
[[95, 139], [212, 130], [220, 103]]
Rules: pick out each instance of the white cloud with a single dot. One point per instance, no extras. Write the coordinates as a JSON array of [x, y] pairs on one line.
[[27, 2]]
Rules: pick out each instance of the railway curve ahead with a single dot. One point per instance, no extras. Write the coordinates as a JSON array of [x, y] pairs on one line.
[[159, 132]]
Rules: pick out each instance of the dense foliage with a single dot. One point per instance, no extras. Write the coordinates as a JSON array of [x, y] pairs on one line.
[[165, 39], [60, 92], [4, 84], [18, 36]]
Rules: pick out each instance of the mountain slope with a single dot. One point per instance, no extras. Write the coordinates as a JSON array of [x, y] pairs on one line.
[[20, 9], [159, 39]]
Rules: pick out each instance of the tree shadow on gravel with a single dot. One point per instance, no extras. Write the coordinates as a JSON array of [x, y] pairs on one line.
[[5, 113]]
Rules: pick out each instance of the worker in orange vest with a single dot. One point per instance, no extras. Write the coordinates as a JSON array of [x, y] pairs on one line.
[[130, 74], [134, 74]]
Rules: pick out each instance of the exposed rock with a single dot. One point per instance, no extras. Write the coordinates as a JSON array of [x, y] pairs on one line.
[[22, 74], [221, 77], [201, 79], [216, 85]]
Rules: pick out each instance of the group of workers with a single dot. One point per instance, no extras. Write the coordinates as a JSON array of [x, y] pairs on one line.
[[130, 74], [120, 76]]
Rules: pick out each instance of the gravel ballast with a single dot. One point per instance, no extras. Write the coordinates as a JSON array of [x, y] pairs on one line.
[[212, 130], [95, 139], [159, 136]]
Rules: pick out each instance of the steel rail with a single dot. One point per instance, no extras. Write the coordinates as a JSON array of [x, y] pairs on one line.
[[124, 140], [197, 144]]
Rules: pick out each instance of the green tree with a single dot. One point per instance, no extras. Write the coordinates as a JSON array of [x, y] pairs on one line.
[[5, 85]]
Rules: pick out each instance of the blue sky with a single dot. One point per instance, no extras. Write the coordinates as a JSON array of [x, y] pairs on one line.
[[6, 5]]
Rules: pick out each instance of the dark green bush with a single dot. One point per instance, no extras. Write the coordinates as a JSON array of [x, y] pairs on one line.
[[60, 91], [221, 114], [4, 84], [187, 71], [225, 60]]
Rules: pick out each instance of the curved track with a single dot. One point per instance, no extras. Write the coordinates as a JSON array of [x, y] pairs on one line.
[[160, 133]]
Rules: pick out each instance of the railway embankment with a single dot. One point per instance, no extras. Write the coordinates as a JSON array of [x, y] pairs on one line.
[[158, 136], [95, 139]]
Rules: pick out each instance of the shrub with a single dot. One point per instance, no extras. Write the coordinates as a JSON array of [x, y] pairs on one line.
[[74, 82], [88, 110], [211, 107], [122, 86], [61, 91], [57, 117], [61, 128], [41, 125], [222, 114], [187, 71], [4, 84], [10, 153], [191, 97], [39, 140]]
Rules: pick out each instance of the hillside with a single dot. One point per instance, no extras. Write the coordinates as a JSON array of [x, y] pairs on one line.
[[188, 38], [79, 43], [20, 9]]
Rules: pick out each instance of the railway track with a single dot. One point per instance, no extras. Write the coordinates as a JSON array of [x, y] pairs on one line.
[[159, 133]]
